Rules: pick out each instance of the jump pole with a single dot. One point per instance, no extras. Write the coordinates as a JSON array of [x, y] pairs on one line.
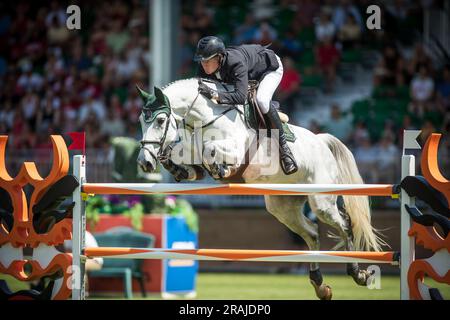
[[78, 230], [383, 190], [407, 244], [246, 255]]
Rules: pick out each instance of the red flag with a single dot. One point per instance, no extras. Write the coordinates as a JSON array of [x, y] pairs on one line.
[[78, 141]]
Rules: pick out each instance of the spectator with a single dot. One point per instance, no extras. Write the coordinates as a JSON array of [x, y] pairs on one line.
[[79, 58], [359, 134], [29, 80], [387, 158], [422, 88], [56, 14], [289, 86], [389, 130], [48, 115], [350, 33], [91, 107], [290, 45], [265, 34], [328, 58], [418, 59], [325, 29], [113, 124], [126, 66], [388, 71], [366, 155], [98, 38], [69, 112], [26, 139], [117, 38], [7, 114], [133, 107], [246, 32], [338, 126], [345, 10], [29, 107], [53, 67], [57, 33]]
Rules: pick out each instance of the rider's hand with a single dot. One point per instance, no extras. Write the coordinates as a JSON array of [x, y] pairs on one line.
[[206, 91]]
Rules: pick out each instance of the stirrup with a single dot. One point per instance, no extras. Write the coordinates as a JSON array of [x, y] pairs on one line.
[[288, 155]]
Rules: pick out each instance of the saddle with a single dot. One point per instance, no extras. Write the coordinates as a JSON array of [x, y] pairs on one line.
[[254, 118]]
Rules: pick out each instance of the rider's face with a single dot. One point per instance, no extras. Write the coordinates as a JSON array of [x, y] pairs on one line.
[[210, 66]]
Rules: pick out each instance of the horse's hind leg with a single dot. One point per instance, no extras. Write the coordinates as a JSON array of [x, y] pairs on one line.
[[288, 210], [326, 209]]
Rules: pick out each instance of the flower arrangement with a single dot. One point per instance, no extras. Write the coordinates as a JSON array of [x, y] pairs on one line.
[[135, 207]]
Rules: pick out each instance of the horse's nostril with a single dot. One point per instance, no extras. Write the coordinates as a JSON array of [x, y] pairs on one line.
[[149, 166]]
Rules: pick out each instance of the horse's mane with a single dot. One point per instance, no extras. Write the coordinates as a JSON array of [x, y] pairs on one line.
[[177, 82], [219, 85]]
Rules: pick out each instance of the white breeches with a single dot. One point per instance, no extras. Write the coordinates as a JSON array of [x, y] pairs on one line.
[[267, 87]]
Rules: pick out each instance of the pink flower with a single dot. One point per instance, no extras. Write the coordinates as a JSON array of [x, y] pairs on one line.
[[170, 201]]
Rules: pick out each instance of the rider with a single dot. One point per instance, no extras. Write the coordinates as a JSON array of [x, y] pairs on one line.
[[238, 65]]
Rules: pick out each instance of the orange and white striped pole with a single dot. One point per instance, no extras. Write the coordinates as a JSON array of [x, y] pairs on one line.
[[245, 255], [240, 189]]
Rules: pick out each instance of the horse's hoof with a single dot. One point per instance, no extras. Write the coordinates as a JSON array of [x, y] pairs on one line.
[[216, 171], [323, 291], [361, 277], [220, 171]]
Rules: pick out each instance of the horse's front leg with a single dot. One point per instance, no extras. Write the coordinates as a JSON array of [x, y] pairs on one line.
[[183, 172], [222, 157]]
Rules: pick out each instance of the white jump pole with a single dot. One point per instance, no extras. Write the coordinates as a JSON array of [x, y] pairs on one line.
[[78, 230], [407, 246]]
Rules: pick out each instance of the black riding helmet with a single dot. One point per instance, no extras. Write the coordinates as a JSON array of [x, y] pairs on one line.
[[208, 47]]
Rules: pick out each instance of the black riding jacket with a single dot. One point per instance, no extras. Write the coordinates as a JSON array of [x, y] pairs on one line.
[[240, 64]]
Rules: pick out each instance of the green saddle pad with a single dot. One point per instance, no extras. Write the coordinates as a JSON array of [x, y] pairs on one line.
[[251, 121]]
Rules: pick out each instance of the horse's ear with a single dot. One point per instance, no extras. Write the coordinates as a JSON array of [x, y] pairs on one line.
[[144, 95], [159, 95]]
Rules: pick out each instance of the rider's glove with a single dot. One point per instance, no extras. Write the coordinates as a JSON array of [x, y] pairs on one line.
[[206, 91]]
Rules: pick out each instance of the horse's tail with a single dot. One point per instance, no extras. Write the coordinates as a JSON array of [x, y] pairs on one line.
[[357, 207]]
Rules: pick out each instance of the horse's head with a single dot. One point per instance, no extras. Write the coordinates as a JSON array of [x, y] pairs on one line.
[[155, 123]]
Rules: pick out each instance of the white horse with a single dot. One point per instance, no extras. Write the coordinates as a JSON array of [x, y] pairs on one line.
[[168, 120]]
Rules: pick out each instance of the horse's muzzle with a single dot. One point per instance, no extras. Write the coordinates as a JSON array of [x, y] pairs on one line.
[[146, 166]]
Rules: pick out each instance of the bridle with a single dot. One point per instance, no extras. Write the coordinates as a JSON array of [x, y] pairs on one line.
[[162, 154]]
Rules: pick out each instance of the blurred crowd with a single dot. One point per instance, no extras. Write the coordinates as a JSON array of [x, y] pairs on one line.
[[54, 80]]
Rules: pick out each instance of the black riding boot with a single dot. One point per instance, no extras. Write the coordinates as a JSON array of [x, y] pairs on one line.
[[288, 163]]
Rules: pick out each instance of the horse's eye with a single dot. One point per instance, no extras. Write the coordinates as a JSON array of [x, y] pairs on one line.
[[161, 121]]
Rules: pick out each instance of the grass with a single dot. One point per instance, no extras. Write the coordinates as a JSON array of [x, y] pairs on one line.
[[288, 287], [238, 286]]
